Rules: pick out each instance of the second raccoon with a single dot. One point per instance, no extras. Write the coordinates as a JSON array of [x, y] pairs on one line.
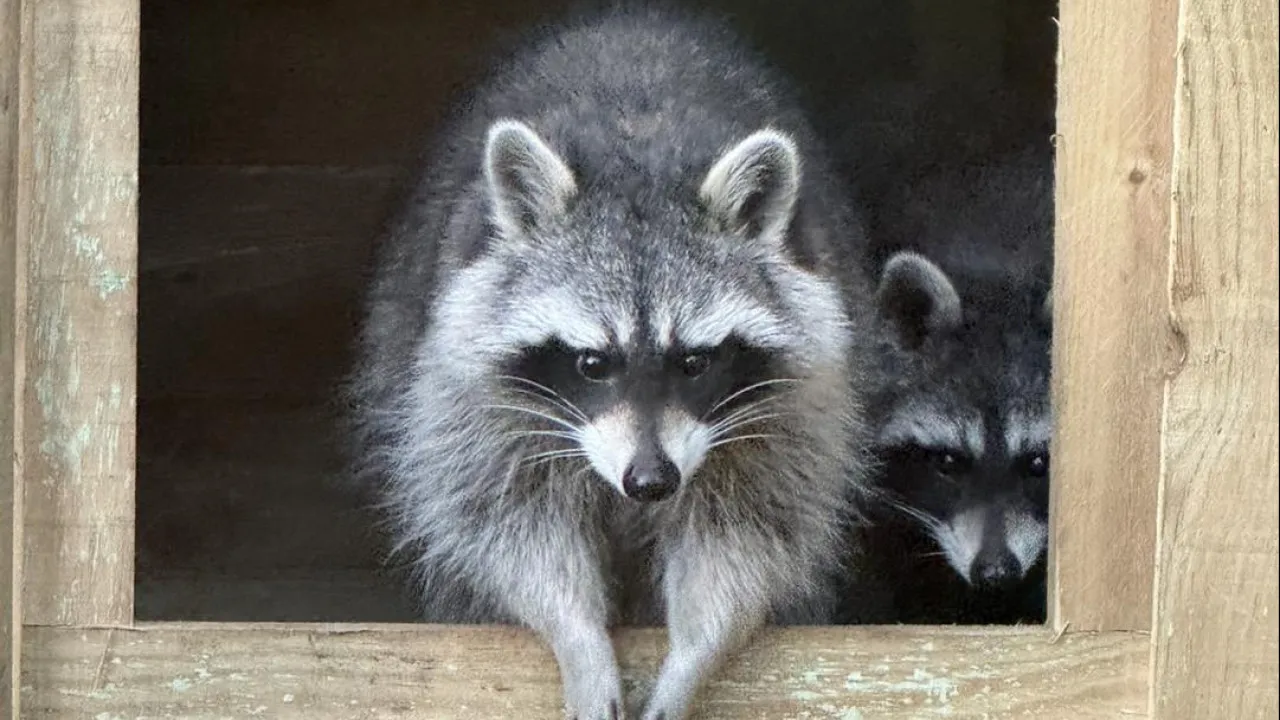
[[960, 529]]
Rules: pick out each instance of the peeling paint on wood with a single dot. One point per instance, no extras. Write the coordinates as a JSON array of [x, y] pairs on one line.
[[78, 413], [316, 672], [13, 106]]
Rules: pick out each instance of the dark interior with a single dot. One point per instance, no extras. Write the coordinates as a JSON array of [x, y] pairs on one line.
[[274, 136]]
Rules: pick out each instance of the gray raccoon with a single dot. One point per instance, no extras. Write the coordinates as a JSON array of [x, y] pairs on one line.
[[610, 367], [964, 436]]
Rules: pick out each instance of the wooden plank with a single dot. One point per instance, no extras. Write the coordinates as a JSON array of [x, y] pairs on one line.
[[80, 355], [349, 672], [230, 258], [1113, 345], [1217, 566], [13, 53]]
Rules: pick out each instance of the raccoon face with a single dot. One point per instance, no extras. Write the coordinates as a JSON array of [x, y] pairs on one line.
[[967, 445], [639, 328], [645, 417], [977, 484]]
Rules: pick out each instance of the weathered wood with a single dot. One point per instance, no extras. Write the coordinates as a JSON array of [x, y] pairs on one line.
[[1112, 342], [80, 356], [13, 16], [348, 672], [1218, 569]]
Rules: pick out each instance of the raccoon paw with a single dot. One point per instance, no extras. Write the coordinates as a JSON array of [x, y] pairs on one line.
[[614, 710]]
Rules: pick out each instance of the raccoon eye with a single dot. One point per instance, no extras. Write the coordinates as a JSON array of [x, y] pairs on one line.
[[694, 364], [950, 463], [594, 366], [1036, 466]]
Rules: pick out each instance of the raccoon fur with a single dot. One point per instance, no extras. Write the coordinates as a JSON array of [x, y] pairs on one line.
[[960, 532], [611, 363]]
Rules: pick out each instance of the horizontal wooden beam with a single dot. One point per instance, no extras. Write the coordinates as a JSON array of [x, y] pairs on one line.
[[462, 672]]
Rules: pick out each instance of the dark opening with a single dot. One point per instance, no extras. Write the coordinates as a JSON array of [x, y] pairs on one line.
[[274, 137]]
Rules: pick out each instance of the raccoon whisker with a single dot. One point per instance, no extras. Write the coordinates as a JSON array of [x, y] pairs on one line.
[[929, 522], [547, 394], [526, 466], [748, 408], [747, 389], [536, 458], [721, 429], [726, 427], [516, 434], [751, 436], [542, 397], [537, 413]]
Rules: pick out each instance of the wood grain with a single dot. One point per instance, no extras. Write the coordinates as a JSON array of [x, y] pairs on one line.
[[1112, 340], [80, 355], [12, 283], [1217, 567], [351, 672]]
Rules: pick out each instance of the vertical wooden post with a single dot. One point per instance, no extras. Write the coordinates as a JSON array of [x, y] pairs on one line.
[[80, 343], [1112, 340], [12, 282], [1217, 565]]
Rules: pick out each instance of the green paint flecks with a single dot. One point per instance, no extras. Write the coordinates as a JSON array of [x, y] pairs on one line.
[[934, 688], [110, 282], [68, 447], [812, 677], [106, 280]]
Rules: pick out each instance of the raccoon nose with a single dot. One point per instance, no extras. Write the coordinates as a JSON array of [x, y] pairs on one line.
[[650, 480], [995, 570]]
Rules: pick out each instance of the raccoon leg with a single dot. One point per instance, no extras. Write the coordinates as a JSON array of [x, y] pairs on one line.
[[548, 577], [712, 608]]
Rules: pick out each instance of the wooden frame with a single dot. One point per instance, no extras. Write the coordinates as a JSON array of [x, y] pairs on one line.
[[1164, 553]]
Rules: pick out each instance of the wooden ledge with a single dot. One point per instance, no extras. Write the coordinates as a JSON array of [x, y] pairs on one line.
[[318, 672]]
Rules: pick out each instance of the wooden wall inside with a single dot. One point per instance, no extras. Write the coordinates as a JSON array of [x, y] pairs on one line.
[[355, 83]]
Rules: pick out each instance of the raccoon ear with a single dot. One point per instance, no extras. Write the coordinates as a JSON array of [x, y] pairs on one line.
[[1046, 310], [751, 190], [528, 183], [917, 298]]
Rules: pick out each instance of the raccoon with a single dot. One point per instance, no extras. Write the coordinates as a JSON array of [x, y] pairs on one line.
[[611, 362], [960, 533]]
